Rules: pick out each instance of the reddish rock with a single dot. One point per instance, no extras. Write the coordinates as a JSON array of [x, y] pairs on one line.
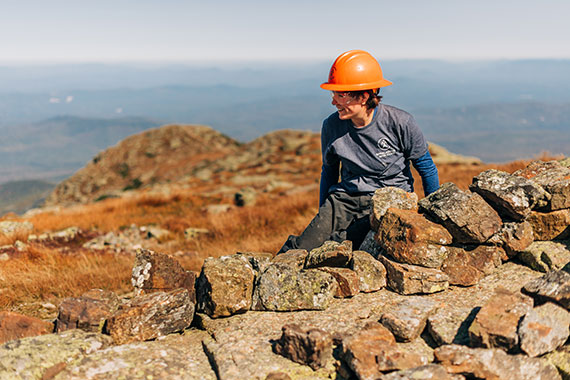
[[550, 225], [371, 273], [413, 279], [312, 347], [373, 350], [544, 329], [496, 324], [16, 326], [465, 214], [482, 363], [468, 267], [151, 316], [293, 257], [347, 280], [410, 238], [330, 254], [387, 197], [155, 271], [87, 312], [225, 286]]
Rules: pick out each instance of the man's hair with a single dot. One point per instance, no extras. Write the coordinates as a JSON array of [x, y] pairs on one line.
[[373, 99]]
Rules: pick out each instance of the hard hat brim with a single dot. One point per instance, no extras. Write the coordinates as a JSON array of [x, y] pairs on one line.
[[355, 87]]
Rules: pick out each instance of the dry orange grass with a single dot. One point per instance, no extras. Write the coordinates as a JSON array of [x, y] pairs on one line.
[[46, 275]]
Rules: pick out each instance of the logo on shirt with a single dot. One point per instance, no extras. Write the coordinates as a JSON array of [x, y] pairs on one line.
[[385, 149]]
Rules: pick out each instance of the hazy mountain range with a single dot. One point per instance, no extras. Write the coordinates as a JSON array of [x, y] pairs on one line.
[[54, 119]]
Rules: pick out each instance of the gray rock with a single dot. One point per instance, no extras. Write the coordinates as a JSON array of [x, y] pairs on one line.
[[176, 357], [545, 256], [151, 316], [312, 347], [493, 364], [371, 273], [283, 288], [413, 279], [225, 286], [407, 319], [330, 254], [33, 358], [370, 246], [512, 196], [466, 215], [387, 197], [544, 329], [553, 286]]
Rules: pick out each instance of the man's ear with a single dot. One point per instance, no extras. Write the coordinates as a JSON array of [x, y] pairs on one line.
[[364, 98]]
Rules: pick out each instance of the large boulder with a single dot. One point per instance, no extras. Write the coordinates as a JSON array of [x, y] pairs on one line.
[[390, 197], [512, 196], [410, 238], [151, 316], [225, 286], [283, 288], [544, 329], [330, 254], [465, 214], [371, 273], [496, 324]]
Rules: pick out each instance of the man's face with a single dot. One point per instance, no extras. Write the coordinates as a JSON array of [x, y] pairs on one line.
[[348, 106]]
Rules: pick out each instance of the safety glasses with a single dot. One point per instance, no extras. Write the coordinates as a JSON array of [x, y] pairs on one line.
[[342, 97]]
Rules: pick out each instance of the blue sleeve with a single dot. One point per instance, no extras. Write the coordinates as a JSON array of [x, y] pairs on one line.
[[329, 177], [428, 171]]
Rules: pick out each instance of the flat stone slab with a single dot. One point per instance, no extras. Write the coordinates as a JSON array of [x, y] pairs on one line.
[[177, 357], [492, 363], [35, 357]]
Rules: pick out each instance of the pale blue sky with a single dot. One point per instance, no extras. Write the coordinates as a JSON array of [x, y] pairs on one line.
[[222, 30]]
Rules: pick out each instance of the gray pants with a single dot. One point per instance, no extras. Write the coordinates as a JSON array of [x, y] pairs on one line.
[[341, 217]]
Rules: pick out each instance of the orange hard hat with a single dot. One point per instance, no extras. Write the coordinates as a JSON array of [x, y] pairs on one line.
[[355, 70]]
